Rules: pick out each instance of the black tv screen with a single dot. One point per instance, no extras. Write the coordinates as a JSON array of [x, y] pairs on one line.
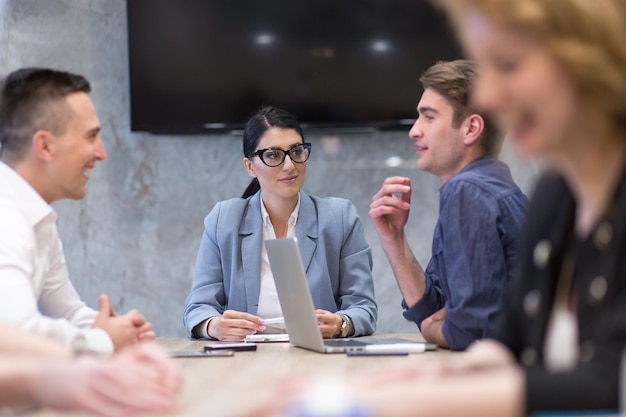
[[199, 65]]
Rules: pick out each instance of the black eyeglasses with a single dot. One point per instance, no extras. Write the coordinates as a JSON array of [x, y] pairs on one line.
[[273, 157]]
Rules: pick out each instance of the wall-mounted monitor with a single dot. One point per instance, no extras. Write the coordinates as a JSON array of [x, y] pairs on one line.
[[204, 65]]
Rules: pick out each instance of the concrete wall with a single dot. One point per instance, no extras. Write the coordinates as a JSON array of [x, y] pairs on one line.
[[136, 234]]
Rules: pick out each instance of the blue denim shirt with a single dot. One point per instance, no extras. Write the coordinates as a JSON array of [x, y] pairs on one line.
[[475, 243]]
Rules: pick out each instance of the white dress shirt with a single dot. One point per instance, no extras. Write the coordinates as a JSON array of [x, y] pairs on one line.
[[36, 294], [269, 305]]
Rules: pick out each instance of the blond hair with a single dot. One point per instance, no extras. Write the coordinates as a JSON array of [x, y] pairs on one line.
[[587, 37]]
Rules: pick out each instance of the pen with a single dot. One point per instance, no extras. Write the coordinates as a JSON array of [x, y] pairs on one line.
[[394, 348]]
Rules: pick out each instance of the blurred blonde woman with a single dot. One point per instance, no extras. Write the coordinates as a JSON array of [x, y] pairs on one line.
[[553, 73]]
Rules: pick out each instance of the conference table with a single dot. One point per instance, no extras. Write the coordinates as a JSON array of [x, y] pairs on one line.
[[235, 385]]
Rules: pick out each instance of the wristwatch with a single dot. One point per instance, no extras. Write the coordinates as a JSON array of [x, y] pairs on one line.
[[346, 326]]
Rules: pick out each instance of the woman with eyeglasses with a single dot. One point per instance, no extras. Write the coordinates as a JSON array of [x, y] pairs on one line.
[[233, 290]]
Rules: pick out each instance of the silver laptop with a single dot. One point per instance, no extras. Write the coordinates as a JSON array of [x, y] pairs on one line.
[[297, 305]]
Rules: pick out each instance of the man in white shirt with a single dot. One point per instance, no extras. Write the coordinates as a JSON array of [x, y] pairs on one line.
[[49, 143]]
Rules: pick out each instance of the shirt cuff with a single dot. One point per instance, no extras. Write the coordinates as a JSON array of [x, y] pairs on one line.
[[424, 308], [203, 328], [457, 338], [93, 340]]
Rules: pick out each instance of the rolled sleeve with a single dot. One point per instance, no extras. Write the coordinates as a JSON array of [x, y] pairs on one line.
[[431, 301], [457, 337]]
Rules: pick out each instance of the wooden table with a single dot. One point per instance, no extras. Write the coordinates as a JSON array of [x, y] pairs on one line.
[[230, 386]]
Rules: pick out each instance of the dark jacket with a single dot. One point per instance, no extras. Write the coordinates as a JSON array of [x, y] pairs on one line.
[[600, 283]]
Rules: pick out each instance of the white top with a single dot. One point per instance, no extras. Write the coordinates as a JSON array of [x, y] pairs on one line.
[[561, 345], [269, 305], [36, 294], [561, 350]]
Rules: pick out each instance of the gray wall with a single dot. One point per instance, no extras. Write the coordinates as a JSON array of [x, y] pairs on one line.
[[136, 234]]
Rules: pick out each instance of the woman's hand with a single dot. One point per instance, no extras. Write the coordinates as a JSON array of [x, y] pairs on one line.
[[330, 323], [234, 326]]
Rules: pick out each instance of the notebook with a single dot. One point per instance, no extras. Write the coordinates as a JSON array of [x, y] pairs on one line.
[[297, 305]]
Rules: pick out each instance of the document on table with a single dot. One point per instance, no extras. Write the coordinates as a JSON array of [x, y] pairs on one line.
[[276, 323], [267, 338]]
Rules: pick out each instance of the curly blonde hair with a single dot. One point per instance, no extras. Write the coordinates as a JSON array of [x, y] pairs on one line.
[[587, 37]]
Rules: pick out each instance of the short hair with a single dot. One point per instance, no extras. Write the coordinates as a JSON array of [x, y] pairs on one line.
[[588, 38], [31, 101], [454, 80]]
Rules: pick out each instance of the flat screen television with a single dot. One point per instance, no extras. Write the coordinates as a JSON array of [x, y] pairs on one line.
[[202, 65]]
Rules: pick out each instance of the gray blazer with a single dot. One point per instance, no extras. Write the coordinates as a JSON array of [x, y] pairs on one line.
[[337, 259]]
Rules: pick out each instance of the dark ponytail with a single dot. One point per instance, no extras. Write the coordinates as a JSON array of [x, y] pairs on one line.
[[266, 118], [252, 189]]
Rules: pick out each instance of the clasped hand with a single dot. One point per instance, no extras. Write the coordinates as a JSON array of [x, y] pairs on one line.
[[124, 330]]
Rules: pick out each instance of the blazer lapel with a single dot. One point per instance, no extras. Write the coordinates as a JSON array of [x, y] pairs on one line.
[[306, 229], [251, 235]]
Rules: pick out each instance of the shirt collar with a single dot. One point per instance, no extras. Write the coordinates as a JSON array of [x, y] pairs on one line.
[[16, 189], [293, 217], [474, 165], [477, 163]]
